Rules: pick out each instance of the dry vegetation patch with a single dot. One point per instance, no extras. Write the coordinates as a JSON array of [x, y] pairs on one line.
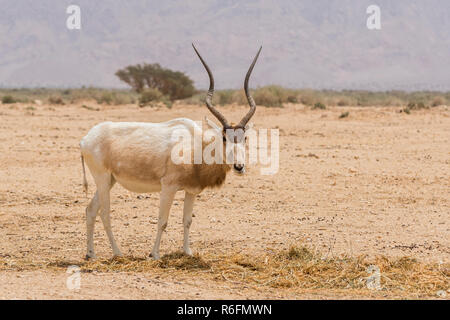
[[298, 267]]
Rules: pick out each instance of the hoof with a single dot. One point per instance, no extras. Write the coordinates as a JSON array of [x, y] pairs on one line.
[[188, 252], [89, 257], [154, 256]]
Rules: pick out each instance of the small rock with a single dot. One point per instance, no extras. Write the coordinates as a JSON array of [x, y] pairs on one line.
[[441, 294]]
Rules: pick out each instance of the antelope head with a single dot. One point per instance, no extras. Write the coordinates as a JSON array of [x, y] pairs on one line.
[[233, 136]]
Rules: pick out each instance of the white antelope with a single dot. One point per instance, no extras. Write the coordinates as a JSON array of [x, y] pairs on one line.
[[138, 156]]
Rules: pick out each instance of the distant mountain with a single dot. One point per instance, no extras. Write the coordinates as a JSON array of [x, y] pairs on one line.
[[316, 44]]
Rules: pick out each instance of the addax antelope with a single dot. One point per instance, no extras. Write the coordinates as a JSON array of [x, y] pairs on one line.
[[138, 156]]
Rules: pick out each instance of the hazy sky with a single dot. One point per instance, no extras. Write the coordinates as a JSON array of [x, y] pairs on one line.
[[318, 44]]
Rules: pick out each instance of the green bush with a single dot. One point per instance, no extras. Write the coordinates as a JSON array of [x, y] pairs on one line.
[[56, 100], [421, 105], [266, 98], [224, 97], [319, 105], [292, 99], [343, 102], [123, 99], [105, 98], [416, 106], [173, 84], [196, 99], [270, 96], [8, 100], [344, 115], [114, 98], [152, 97]]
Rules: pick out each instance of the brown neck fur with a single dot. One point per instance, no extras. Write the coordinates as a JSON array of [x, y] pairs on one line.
[[205, 175], [210, 175]]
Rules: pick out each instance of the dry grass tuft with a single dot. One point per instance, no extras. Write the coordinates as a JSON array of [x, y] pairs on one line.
[[180, 261], [248, 263], [297, 267], [301, 253], [175, 261]]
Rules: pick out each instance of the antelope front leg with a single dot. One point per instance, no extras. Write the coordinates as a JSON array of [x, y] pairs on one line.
[[187, 220], [166, 199]]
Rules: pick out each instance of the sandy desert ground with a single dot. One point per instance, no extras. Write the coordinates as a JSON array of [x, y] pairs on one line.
[[374, 183]]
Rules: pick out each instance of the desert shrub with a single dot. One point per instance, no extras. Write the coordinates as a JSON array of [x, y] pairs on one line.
[[224, 97], [306, 97], [362, 99], [55, 100], [319, 105], [8, 99], [152, 97], [416, 106], [344, 115], [149, 96], [114, 97], [239, 97], [438, 101], [396, 102], [270, 96], [292, 98], [411, 105], [220, 97], [421, 105], [196, 99], [300, 253], [406, 110], [123, 99], [266, 98], [173, 84], [105, 98], [307, 100]]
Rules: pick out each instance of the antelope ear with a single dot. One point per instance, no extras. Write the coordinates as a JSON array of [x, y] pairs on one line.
[[249, 126], [211, 124]]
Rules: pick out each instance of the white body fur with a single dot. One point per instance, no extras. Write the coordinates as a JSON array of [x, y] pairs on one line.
[[137, 156]]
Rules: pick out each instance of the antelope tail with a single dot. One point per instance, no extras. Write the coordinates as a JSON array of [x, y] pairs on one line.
[[85, 183]]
